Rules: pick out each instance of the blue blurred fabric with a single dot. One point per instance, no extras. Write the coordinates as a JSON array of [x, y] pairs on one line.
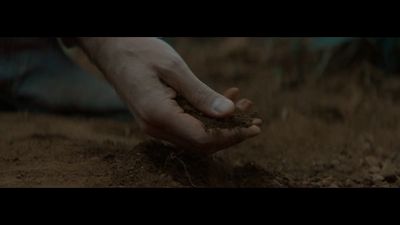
[[49, 77]]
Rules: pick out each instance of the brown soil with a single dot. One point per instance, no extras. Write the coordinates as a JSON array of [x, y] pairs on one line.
[[341, 129], [81, 152]]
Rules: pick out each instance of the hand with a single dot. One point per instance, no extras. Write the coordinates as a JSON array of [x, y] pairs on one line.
[[148, 74]]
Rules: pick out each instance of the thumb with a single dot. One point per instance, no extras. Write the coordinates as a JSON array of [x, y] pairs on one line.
[[208, 101], [199, 94]]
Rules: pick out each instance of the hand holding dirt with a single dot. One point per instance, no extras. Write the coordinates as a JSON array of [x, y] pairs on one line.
[[149, 75]]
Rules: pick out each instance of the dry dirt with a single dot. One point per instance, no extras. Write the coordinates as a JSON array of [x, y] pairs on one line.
[[340, 129]]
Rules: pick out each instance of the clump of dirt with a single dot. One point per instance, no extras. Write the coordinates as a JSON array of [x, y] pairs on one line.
[[156, 162], [237, 120]]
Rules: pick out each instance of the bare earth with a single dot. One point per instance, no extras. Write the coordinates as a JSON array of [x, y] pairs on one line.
[[339, 130]]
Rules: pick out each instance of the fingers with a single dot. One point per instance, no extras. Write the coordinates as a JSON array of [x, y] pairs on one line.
[[169, 122], [232, 93], [244, 105], [251, 131], [188, 133], [257, 121]]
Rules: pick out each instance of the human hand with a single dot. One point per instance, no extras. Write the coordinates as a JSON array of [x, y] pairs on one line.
[[148, 74]]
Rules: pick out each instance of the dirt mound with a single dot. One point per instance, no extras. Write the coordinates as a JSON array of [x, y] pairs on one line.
[[76, 152], [157, 163]]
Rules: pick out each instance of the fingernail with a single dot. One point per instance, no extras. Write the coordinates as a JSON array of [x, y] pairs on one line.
[[222, 105]]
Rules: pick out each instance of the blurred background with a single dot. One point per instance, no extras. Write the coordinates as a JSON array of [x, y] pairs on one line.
[[323, 54]]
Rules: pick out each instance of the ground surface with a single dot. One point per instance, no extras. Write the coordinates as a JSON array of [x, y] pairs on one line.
[[341, 129]]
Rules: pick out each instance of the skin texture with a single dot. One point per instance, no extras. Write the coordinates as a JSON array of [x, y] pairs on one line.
[[148, 74]]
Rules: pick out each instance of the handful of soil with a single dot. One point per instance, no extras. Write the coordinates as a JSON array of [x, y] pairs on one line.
[[238, 119]]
